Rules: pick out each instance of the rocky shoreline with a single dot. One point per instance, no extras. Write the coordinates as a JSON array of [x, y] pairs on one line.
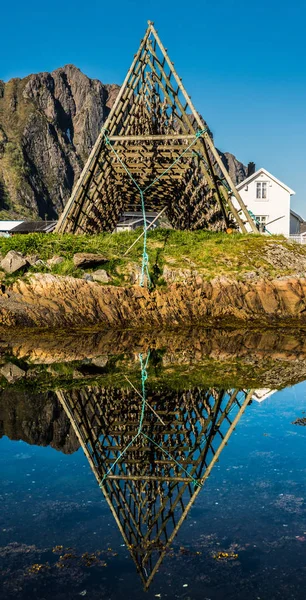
[[46, 300]]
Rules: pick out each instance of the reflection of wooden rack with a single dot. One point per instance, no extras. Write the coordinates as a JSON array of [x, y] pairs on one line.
[[148, 494], [151, 123]]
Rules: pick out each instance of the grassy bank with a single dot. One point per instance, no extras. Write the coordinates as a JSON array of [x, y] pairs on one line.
[[210, 254], [211, 373]]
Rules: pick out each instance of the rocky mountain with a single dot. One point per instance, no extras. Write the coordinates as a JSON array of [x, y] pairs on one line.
[[237, 170], [36, 418], [48, 125]]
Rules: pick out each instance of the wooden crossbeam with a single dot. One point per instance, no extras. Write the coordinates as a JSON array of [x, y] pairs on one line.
[[150, 138]]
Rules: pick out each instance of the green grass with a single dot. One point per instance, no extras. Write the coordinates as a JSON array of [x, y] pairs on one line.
[[208, 253], [233, 373]]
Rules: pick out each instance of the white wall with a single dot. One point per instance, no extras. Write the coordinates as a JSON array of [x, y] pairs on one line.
[[276, 205]]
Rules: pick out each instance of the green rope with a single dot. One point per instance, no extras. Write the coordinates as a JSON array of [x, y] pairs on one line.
[[108, 143], [194, 481], [197, 135], [145, 257], [257, 222], [144, 377]]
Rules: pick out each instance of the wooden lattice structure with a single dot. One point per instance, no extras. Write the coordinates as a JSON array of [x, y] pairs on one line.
[[154, 141], [152, 488]]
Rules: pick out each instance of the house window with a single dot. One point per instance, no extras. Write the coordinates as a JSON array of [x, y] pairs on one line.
[[261, 190], [261, 221]]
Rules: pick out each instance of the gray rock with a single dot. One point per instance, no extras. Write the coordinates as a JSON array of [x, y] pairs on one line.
[[87, 277], [87, 259], [11, 372], [132, 273], [100, 361], [249, 275], [40, 263], [55, 260], [178, 274], [13, 262], [32, 259], [77, 374], [101, 276]]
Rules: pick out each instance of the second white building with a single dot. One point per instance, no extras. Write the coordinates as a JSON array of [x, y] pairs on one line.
[[268, 199]]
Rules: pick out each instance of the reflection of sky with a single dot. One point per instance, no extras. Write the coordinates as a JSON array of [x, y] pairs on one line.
[[254, 499]]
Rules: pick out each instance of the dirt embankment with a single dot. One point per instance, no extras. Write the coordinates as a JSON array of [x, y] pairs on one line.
[[52, 301]]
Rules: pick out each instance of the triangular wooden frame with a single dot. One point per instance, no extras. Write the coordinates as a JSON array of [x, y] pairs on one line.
[[198, 425], [151, 124]]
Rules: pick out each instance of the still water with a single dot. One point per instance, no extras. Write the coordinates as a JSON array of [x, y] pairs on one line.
[[170, 490]]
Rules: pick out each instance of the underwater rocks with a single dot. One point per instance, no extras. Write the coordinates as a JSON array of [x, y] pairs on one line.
[[11, 372], [52, 301]]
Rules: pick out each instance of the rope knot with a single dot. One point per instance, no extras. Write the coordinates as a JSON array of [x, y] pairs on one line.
[[196, 483], [201, 131], [107, 140]]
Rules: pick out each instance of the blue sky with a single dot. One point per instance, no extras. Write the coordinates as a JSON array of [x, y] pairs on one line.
[[244, 64]]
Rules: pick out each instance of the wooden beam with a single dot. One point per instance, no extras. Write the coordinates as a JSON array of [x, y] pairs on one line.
[[151, 138]]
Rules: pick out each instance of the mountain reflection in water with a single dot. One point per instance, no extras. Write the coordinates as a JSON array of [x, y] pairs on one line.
[[151, 451]]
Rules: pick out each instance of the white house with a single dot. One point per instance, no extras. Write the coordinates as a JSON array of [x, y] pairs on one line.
[[7, 226], [262, 394], [268, 199]]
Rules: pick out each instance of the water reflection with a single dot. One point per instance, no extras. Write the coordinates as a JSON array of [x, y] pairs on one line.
[[198, 390], [151, 480]]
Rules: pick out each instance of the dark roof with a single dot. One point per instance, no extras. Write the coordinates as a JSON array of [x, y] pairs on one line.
[[34, 227], [297, 216]]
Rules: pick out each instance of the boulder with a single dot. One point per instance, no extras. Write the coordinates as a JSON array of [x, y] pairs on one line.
[[171, 275], [87, 277], [87, 259], [77, 374], [13, 262], [131, 273], [101, 276], [55, 260], [40, 263], [11, 372], [32, 259], [100, 361]]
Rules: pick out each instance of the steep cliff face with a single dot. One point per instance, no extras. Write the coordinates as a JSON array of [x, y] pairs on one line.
[[237, 170], [37, 419], [48, 125]]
